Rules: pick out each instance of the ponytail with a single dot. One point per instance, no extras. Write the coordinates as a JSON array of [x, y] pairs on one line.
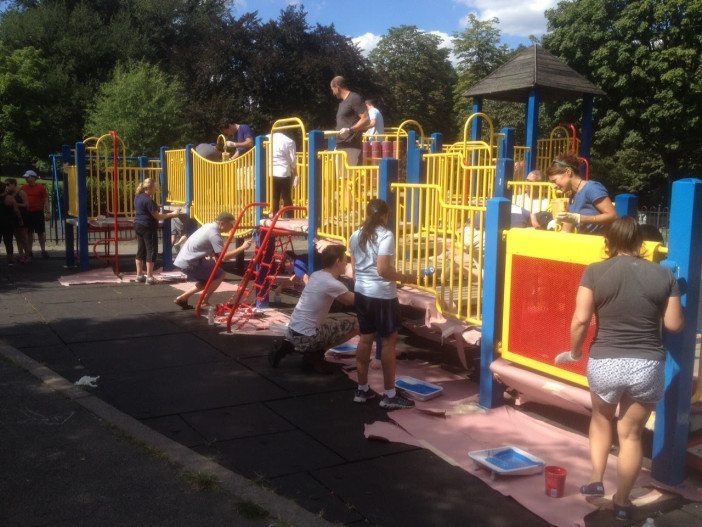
[[141, 187], [376, 216]]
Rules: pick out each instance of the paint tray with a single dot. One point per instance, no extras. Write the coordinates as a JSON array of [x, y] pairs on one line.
[[347, 349], [508, 461], [417, 388]]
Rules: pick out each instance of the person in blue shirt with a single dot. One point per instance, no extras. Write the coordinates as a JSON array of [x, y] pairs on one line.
[[591, 210], [146, 218], [239, 136]]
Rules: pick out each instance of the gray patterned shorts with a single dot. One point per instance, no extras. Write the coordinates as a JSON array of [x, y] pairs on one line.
[[643, 380], [336, 329]]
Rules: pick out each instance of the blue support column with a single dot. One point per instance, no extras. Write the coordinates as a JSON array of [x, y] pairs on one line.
[[476, 128], [188, 178], [414, 158], [331, 143], [143, 163], [497, 219], [586, 137], [69, 240], [505, 163], [315, 144], [260, 164], [627, 205], [670, 435], [388, 176], [166, 230], [438, 142], [82, 178], [532, 129]]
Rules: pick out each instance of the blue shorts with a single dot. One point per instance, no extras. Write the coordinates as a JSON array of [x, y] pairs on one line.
[[202, 271], [377, 315]]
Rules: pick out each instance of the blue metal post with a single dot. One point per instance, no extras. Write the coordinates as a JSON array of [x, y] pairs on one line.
[[388, 176], [532, 129], [314, 188], [438, 142], [414, 158], [188, 178], [166, 230], [69, 242], [331, 143], [670, 435], [586, 138], [143, 163], [476, 129], [260, 196], [497, 220], [505, 163], [82, 178], [627, 205]]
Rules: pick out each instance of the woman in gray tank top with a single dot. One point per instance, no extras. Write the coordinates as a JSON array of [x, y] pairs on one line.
[[631, 299]]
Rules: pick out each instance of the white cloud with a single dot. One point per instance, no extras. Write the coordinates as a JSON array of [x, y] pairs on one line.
[[519, 19], [366, 42]]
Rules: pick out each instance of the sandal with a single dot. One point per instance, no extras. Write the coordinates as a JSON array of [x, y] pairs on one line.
[[623, 512], [593, 489], [183, 304]]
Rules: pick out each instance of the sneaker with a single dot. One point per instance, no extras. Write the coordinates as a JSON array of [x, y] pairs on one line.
[[396, 403], [279, 349], [141, 278], [150, 280], [361, 397]]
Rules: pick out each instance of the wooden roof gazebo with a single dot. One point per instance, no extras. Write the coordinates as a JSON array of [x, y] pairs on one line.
[[534, 76]]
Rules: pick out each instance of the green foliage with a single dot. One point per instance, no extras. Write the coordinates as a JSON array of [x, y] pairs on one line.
[[144, 106], [416, 78], [647, 56]]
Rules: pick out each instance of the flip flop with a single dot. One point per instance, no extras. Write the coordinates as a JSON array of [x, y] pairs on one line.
[[623, 512], [593, 489], [183, 304]]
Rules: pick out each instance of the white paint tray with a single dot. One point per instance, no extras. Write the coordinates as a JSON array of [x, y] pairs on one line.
[[417, 388], [508, 461]]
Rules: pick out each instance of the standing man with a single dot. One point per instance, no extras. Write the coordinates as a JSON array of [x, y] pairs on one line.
[[239, 136], [351, 120], [37, 204], [377, 126], [197, 258], [284, 170]]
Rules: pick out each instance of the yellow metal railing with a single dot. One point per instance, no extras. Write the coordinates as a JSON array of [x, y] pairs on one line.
[[534, 196], [560, 141], [465, 178], [434, 233], [175, 168], [295, 128], [346, 191], [72, 190], [223, 187]]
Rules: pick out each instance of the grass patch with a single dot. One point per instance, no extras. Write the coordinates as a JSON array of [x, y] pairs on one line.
[[201, 480], [127, 438], [251, 511]]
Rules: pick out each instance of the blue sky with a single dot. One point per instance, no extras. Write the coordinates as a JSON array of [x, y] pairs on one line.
[[367, 20]]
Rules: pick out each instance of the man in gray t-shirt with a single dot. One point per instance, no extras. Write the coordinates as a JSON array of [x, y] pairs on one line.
[[351, 119], [197, 258]]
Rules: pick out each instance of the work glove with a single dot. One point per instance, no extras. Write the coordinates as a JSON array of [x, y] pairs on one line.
[[568, 217], [296, 180], [344, 133], [567, 357], [230, 144]]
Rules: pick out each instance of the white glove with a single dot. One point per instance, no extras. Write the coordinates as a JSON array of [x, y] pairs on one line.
[[566, 358], [230, 144], [296, 180], [344, 133], [568, 217]]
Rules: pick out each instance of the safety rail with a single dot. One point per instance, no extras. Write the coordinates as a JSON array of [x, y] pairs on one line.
[[175, 168], [468, 176], [301, 182], [447, 237], [223, 186], [561, 140], [346, 191], [534, 196]]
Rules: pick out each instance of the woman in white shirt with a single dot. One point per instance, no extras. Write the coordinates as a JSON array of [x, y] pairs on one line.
[[373, 258]]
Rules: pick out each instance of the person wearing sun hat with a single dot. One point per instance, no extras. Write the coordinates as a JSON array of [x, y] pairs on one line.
[[37, 207]]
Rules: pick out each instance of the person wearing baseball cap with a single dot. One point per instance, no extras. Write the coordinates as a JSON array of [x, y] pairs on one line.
[[37, 206]]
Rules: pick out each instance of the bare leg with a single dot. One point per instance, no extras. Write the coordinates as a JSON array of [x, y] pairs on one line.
[[149, 269], [600, 436], [630, 426], [42, 241], [139, 267], [363, 353], [213, 287], [190, 292], [388, 360]]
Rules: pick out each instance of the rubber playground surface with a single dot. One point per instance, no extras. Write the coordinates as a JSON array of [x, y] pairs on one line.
[[290, 429]]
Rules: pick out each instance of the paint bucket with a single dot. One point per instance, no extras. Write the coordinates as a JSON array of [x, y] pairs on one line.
[[388, 148], [555, 481], [366, 150], [376, 149]]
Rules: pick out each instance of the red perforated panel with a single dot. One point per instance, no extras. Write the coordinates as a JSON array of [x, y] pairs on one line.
[[542, 301]]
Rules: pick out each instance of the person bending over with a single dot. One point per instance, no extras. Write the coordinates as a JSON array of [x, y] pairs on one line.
[[312, 329], [199, 254]]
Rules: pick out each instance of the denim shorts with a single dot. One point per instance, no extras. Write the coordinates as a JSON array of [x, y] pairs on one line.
[[202, 271]]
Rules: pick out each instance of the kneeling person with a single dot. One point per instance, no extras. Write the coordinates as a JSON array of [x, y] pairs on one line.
[[197, 258], [312, 330]]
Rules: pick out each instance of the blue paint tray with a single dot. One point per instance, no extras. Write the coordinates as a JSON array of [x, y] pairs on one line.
[[346, 349], [417, 388], [508, 461]]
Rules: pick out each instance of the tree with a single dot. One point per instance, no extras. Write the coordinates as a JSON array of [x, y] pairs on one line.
[[647, 56], [144, 106], [416, 77]]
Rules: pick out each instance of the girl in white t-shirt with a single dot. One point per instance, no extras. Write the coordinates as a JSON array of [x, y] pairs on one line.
[[373, 258]]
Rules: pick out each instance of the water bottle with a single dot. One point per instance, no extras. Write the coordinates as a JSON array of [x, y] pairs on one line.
[[210, 315], [277, 297]]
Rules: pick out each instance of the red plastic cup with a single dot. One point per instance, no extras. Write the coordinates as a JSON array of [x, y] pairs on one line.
[[555, 481]]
